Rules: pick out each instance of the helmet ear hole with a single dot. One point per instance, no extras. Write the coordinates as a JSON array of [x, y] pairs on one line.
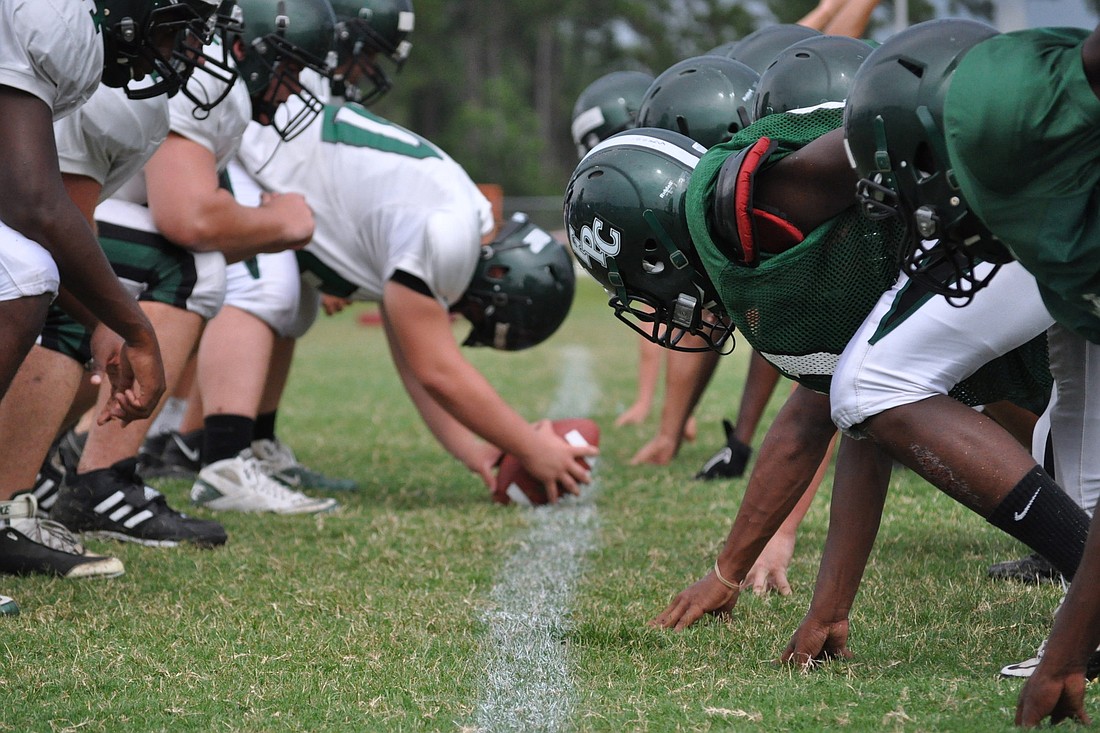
[[652, 262], [497, 272]]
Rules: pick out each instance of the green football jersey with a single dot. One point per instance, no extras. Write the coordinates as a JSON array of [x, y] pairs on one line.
[[800, 308], [1022, 127]]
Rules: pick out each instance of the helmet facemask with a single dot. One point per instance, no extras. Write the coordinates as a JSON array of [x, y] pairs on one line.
[[625, 216], [133, 38], [273, 56], [665, 321], [223, 26]]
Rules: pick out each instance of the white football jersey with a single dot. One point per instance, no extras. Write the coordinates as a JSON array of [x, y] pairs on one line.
[[51, 49], [383, 198], [111, 136], [219, 131]]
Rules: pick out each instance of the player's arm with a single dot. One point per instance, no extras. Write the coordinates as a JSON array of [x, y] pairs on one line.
[[1056, 688], [456, 438], [36, 204], [192, 210], [859, 493], [789, 457], [111, 357], [422, 332]]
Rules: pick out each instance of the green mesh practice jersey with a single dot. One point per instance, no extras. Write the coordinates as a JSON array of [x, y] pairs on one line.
[[1023, 133], [800, 308]]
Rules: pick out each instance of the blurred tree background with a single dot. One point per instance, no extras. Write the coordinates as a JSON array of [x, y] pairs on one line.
[[494, 83]]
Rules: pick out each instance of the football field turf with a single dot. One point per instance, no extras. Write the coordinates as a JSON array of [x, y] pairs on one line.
[[421, 605]]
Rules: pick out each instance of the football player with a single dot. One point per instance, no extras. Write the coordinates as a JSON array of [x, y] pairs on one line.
[[171, 231], [262, 298], [53, 58], [1006, 137], [413, 244], [768, 221]]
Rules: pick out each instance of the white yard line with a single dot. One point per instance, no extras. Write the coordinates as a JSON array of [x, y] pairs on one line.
[[528, 685]]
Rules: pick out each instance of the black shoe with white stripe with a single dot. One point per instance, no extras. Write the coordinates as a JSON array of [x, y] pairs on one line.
[[50, 477], [115, 503]]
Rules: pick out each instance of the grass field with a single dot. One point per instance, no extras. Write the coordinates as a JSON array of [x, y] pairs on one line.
[[421, 605]]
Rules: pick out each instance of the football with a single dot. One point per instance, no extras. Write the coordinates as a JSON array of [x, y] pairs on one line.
[[514, 485]]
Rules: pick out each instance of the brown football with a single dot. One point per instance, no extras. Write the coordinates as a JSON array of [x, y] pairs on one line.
[[515, 485]]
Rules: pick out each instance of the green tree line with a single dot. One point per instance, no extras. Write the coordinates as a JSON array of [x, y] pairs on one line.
[[494, 82]]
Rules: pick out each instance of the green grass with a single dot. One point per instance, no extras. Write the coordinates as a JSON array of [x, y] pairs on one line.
[[370, 619]]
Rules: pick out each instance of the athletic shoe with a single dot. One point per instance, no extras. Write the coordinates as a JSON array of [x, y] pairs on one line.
[[278, 461], [8, 606], [70, 446], [48, 482], [115, 503], [1033, 568], [1025, 668], [32, 545], [729, 462], [180, 456], [239, 484]]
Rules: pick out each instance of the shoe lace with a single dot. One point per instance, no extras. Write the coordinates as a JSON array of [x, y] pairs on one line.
[[49, 533], [257, 479]]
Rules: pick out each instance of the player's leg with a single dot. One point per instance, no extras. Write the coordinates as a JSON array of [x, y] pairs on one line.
[[106, 496], [233, 362], [892, 384]]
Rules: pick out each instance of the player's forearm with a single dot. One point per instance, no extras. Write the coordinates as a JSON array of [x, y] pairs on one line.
[[1076, 631], [859, 493], [219, 223], [789, 458], [88, 277]]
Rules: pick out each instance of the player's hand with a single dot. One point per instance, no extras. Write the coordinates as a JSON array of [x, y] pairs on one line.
[[1058, 697], [296, 217], [333, 304], [659, 451], [553, 461], [636, 413], [485, 458], [817, 641], [135, 372], [707, 595], [769, 572]]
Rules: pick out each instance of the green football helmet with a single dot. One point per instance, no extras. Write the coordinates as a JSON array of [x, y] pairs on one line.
[[366, 29], [757, 49], [625, 217], [893, 125], [708, 98], [280, 38], [813, 71], [522, 288], [607, 106], [132, 28]]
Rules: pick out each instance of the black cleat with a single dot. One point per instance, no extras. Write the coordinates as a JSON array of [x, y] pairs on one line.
[[115, 503]]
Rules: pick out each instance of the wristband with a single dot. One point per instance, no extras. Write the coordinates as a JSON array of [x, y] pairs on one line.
[[723, 581]]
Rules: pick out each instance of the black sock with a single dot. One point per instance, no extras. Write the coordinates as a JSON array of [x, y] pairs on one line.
[[225, 436], [1042, 516], [265, 426]]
